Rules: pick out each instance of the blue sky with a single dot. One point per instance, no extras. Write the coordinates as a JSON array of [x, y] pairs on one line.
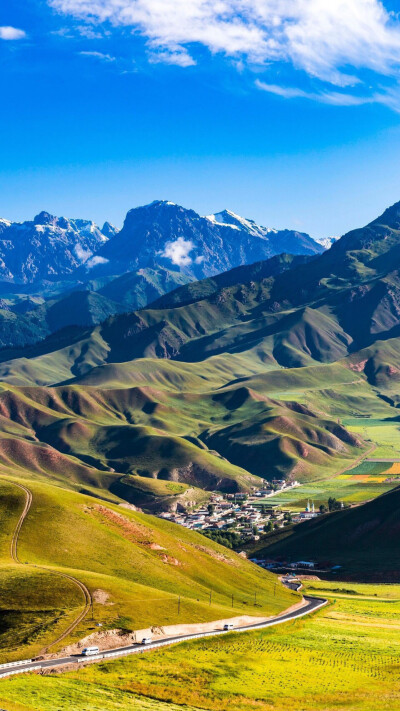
[[285, 111]]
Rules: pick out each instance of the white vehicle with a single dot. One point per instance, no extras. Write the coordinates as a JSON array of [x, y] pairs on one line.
[[90, 650], [228, 626], [147, 640]]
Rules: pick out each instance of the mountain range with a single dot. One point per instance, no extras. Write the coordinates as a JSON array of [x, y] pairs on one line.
[[162, 233], [56, 272]]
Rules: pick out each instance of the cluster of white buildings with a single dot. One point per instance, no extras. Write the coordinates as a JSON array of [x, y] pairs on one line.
[[242, 513]]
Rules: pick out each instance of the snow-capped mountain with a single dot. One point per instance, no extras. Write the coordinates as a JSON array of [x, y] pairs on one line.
[[227, 217], [65, 272], [163, 233], [327, 242], [4, 224], [48, 247], [278, 241]]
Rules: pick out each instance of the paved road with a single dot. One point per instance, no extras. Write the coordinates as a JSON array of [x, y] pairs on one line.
[[313, 604]]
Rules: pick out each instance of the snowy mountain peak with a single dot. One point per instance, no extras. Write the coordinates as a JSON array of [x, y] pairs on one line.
[[231, 219], [4, 224], [161, 202], [47, 247], [326, 242], [44, 218]]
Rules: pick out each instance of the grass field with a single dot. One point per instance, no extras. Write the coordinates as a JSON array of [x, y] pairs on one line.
[[345, 657], [386, 435], [355, 486], [134, 565]]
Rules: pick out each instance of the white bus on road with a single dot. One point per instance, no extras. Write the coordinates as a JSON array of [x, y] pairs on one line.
[[90, 650]]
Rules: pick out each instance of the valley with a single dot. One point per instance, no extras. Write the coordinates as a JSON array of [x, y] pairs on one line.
[[200, 355], [277, 374]]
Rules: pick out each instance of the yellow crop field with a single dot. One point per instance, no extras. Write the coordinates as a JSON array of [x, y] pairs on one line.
[[394, 469]]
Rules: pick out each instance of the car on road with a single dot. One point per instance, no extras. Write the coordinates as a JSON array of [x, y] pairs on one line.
[[228, 626], [88, 651], [146, 640]]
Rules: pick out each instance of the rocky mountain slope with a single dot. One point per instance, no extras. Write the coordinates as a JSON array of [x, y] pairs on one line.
[[169, 235], [48, 247], [161, 246]]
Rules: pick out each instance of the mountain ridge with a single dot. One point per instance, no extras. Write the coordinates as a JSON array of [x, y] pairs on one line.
[[161, 246]]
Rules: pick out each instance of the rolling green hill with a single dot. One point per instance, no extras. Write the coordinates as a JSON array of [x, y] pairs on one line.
[[160, 443], [28, 318], [269, 370]]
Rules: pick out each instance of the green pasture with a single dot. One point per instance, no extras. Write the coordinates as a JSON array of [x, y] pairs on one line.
[[344, 657], [385, 434]]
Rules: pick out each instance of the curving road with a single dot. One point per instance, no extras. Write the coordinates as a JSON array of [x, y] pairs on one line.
[[78, 583], [313, 604], [7, 669]]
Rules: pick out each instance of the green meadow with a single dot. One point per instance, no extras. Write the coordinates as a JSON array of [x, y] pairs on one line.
[[344, 657], [385, 434]]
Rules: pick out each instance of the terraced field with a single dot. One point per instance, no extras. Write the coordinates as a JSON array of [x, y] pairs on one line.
[[345, 657]]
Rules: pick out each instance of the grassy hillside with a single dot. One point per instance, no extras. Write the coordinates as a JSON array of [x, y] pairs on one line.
[[346, 657], [30, 313], [134, 566], [363, 540]]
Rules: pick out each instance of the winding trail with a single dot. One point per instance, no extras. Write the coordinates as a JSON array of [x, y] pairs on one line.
[[27, 506], [14, 555]]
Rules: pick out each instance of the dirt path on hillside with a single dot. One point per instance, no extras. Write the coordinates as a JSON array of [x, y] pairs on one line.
[[14, 555]]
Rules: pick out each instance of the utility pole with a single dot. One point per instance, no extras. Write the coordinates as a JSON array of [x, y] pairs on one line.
[[179, 605], [232, 599], [255, 598], [210, 597]]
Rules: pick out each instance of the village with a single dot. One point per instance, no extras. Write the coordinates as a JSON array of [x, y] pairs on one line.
[[249, 516]]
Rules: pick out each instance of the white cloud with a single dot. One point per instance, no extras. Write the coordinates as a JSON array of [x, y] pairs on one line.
[[98, 55], [94, 261], [181, 58], [335, 41], [336, 98], [178, 251], [11, 33], [82, 253]]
